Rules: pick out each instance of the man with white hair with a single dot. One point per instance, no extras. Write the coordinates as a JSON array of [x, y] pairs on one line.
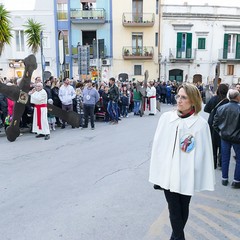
[[40, 121], [227, 123], [151, 100]]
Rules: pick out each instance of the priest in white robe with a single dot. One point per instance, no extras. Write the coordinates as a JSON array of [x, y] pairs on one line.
[[151, 105], [40, 121]]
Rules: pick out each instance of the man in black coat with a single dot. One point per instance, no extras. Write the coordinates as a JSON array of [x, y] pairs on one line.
[[227, 123]]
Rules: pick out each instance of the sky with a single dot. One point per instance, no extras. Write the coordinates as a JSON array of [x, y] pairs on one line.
[[12, 5], [29, 4]]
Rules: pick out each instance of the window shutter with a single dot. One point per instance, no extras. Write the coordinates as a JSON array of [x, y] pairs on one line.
[[179, 45], [238, 47], [189, 45], [225, 46]]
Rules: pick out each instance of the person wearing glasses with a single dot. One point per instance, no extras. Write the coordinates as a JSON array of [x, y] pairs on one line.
[[182, 158]]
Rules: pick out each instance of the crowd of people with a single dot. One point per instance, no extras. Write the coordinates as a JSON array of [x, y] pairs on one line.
[[110, 101]]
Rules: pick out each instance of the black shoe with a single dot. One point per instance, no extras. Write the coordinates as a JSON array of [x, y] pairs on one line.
[[63, 126], [83, 127], [225, 182], [235, 184], [73, 127], [47, 137], [40, 135], [93, 128], [157, 187]]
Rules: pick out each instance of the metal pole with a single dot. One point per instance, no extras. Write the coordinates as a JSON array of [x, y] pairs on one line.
[[42, 57], [97, 63]]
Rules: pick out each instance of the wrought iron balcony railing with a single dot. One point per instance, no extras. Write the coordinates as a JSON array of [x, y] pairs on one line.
[[96, 15], [143, 53], [138, 19]]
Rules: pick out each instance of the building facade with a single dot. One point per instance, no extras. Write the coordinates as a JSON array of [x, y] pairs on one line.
[[135, 39], [12, 57], [85, 24], [198, 42]]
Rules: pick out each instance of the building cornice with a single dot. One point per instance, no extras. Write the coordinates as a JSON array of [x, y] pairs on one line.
[[182, 27], [178, 16]]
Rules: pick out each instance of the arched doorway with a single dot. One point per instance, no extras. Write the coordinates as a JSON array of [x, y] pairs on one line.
[[176, 74], [197, 78]]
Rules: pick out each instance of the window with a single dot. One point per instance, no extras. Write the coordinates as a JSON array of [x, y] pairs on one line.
[[62, 10], [201, 43], [137, 43], [230, 69], [231, 46], [65, 32], [137, 70], [156, 39], [47, 64], [184, 45], [19, 35]]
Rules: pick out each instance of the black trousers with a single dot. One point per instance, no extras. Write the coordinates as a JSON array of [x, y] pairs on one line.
[[88, 111], [178, 206]]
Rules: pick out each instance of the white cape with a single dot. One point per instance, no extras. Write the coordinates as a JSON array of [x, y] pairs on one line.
[[176, 170]]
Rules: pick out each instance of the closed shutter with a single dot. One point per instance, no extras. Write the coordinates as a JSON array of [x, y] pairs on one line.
[[225, 46], [238, 47], [189, 46], [179, 45]]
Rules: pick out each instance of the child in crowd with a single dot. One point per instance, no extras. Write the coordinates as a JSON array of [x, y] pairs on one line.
[[51, 118]]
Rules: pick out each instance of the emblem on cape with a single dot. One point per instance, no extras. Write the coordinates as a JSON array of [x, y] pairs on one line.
[[187, 143]]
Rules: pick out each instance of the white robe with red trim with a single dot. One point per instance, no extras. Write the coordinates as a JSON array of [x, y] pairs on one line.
[[40, 98], [151, 107]]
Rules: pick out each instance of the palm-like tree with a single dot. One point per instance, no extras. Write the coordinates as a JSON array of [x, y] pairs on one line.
[[33, 32], [5, 28]]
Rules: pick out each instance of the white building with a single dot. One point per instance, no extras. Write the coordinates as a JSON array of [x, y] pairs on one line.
[[194, 39], [41, 11]]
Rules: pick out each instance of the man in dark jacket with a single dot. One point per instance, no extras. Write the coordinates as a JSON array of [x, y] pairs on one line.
[[113, 103], [227, 123]]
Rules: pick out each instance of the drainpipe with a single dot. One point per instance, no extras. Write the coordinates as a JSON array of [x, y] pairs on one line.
[[159, 38]]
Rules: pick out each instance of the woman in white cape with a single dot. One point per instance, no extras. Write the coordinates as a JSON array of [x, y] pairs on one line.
[[182, 159]]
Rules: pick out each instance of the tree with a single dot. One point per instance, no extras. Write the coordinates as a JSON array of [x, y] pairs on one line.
[[5, 28], [33, 33]]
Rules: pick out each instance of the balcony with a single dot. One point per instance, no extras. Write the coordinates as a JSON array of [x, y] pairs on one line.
[[139, 53], [138, 20], [228, 55], [182, 55], [96, 15]]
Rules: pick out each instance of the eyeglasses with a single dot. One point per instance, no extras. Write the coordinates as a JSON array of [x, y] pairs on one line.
[[178, 97]]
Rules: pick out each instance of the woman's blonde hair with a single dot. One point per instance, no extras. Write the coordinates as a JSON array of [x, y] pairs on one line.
[[193, 94]]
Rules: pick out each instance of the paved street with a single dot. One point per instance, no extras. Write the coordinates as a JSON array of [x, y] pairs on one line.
[[93, 185]]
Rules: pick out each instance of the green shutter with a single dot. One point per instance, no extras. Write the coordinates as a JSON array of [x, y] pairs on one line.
[[201, 43], [238, 47], [179, 45], [189, 45], [225, 46]]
